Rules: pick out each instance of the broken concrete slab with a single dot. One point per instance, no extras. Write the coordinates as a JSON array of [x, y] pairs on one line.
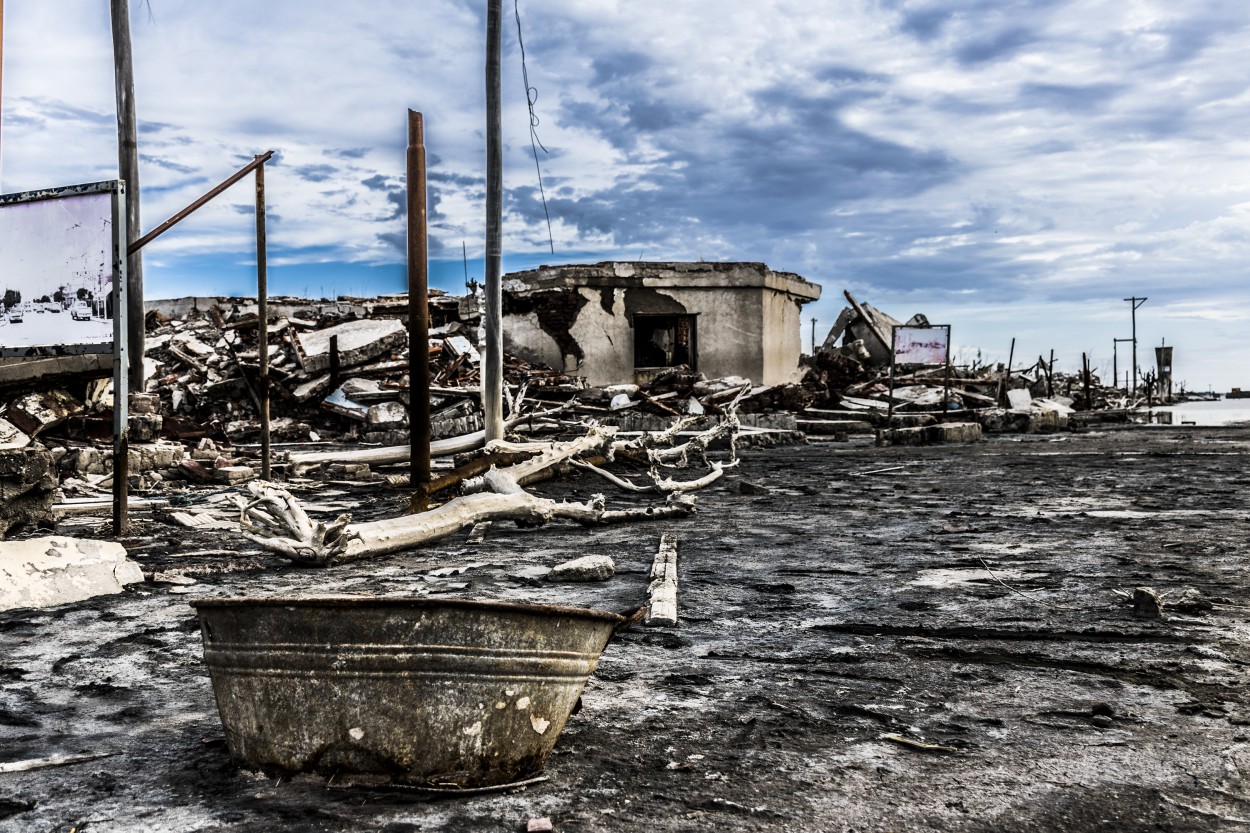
[[586, 568], [358, 341], [12, 437], [36, 412], [55, 570]]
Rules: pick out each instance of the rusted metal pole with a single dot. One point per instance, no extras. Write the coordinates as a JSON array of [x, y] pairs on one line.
[[418, 308], [262, 313], [492, 358], [184, 213], [1050, 375], [128, 167]]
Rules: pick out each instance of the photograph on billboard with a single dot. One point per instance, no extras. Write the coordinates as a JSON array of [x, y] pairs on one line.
[[58, 248], [921, 345]]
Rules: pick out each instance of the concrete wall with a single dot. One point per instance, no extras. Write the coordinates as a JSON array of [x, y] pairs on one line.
[[580, 319]]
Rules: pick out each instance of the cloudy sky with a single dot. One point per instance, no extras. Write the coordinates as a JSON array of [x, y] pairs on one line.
[[1013, 168]]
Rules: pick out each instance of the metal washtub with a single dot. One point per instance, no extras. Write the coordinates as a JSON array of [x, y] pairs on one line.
[[446, 692]]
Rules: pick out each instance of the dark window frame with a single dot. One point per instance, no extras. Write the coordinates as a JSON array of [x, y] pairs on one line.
[[686, 344]]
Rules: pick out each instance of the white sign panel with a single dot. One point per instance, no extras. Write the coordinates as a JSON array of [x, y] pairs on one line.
[[56, 270], [921, 345]]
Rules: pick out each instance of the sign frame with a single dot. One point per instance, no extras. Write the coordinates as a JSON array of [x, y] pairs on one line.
[[121, 375], [945, 361]]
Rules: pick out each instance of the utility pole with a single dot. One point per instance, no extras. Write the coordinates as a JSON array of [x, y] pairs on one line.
[[1136, 302], [813, 326], [492, 359], [418, 308], [128, 169]]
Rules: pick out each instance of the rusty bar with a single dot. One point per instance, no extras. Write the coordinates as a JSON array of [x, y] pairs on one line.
[[262, 313], [418, 308], [184, 213]]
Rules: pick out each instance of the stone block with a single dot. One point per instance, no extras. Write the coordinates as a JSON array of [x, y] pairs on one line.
[[154, 456], [28, 484], [55, 570], [144, 403], [586, 568], [38, 411], [145, 428], [386, 415], [233, 475]]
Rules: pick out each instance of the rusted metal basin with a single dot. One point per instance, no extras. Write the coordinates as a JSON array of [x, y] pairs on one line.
[[448, 692]]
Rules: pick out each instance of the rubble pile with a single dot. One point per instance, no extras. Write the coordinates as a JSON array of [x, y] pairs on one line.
[[849, 384], [339, 373], [337, 370]]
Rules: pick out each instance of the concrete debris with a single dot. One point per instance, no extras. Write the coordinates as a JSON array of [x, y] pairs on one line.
[[339, 374], [44, 572], [28, 485], [586, 568]]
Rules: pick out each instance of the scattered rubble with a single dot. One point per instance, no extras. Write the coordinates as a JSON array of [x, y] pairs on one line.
[[339, 395]]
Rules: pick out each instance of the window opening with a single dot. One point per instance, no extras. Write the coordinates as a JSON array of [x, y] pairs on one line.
[[664, 341]]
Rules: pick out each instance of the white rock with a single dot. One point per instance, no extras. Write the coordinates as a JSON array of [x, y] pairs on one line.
[[586, 568]]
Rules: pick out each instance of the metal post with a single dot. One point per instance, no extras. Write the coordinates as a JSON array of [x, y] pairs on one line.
[[813, 336], [128, 165], [1050, 375], [418, 308], [1136, 302], [492, 360], [262, 312], [121, 369]]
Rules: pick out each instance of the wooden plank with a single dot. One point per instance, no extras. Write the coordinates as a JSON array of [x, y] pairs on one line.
[[663, 590]]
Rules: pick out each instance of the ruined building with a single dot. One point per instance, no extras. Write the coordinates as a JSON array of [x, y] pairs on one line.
[[619, 322]]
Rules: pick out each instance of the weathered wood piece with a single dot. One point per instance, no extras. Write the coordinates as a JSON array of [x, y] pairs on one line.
[[663, 589]]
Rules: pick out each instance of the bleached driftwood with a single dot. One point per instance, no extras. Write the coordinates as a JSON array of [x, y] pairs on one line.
[[273, 518], [301, 462], [283, 527], [659, 484]]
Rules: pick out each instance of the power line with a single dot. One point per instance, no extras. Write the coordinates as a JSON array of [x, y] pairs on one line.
[[531, 96]]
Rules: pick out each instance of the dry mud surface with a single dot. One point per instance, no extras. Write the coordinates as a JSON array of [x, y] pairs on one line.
[[959, 596]]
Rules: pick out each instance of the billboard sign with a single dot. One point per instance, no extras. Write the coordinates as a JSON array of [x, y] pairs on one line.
[[921, 345], [59, 250]]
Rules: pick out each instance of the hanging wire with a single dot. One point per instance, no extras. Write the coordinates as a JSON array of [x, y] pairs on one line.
[[531, 96]]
